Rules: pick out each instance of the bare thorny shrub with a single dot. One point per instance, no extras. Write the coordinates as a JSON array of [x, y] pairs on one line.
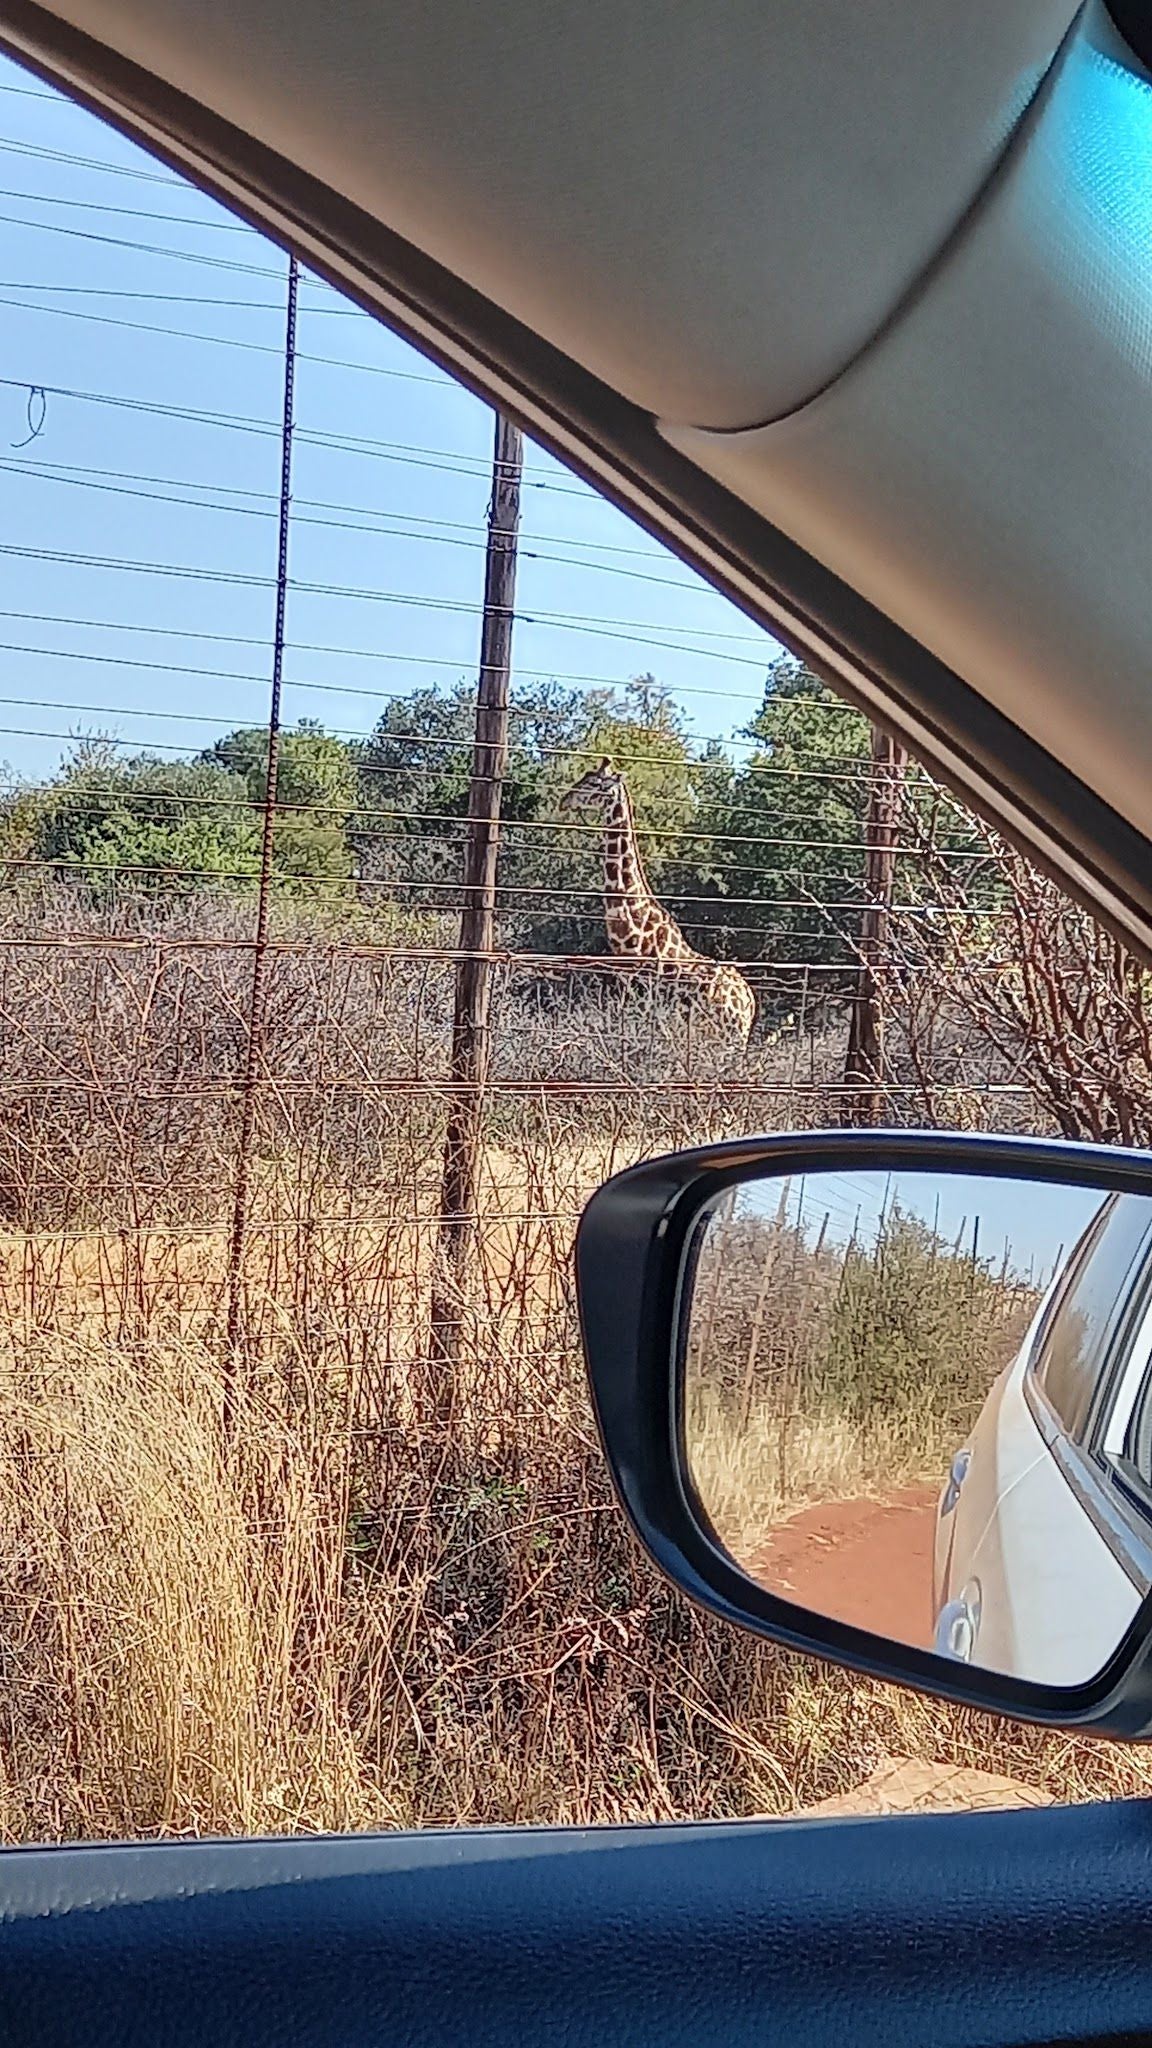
[[336, 1617], [998, 979]]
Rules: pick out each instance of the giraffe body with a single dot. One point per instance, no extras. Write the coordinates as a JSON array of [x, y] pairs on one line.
[[638, 925]]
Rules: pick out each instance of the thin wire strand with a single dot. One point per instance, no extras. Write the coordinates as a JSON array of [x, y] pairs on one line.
[[45, 154], [458, 462], [174, 220], [82, 801], [227, 341], [397, 530], [406, 953], [859, 778], [115, 291], [406, 520], [138, 248], [632, 630]]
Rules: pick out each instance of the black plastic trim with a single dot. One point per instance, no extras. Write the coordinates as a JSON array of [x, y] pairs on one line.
[[1002, 772], [1133, 20], [983, 1930], [631, 1254]]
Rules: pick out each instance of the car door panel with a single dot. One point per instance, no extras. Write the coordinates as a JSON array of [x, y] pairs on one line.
[[1018, 1524], [957, 1930], [1079, 1600]]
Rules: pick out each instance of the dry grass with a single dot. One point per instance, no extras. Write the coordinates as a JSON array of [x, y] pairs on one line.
[[341, 1619], [750, 1480], [341, 1614]]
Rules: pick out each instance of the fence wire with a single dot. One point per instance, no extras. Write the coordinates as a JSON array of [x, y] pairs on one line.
[[228, 956], [256, 1573]]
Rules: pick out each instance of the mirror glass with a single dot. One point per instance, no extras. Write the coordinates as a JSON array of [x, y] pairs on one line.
[[922, 1404]]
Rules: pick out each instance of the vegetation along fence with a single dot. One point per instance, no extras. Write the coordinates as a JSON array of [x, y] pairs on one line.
[[313, 1043]]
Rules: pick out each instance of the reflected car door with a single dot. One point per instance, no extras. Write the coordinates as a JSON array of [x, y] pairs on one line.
[[1047, 1559]]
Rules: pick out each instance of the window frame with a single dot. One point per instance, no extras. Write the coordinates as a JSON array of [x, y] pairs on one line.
[[1119, 1336]]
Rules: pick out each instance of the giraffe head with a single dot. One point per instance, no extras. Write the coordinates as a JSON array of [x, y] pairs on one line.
[[602, 787]]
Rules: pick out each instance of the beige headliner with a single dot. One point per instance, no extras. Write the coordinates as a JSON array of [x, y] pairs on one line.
[[984, 474], [712, 207]]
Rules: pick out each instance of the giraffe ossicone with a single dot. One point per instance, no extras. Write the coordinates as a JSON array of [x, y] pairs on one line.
[[638, 925]]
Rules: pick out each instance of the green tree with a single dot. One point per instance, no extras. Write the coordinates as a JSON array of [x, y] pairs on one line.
[[787, 825], [158, 824], [413, 780], [417, 761], [19, 826], [316, 796], [789, 829]]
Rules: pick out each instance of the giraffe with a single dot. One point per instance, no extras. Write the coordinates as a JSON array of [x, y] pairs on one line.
[[638, 925]]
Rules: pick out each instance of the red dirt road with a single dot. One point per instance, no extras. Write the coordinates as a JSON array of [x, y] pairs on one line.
[[868, 1562]]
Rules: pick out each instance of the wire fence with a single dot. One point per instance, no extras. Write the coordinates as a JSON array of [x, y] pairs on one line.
[[245, 564], [209, 981]]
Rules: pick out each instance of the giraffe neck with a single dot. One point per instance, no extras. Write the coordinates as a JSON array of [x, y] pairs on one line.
[[635, 920], [625, 883]]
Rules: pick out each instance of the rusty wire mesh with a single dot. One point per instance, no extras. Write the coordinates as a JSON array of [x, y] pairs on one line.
[[372, 1623]]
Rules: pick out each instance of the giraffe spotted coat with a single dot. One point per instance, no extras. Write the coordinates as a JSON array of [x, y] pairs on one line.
[[638, 925]]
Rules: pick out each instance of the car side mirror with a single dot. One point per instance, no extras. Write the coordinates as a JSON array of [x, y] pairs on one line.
[[887, 1397]]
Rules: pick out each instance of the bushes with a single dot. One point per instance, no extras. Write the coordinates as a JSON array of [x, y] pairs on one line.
[[819, 1368]]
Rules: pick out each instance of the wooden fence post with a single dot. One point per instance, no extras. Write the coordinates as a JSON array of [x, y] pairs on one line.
[[865, 1068], [471, 1046]]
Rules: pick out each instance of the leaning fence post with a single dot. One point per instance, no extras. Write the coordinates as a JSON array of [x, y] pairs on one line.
[[471, 1043], [865, 1068]]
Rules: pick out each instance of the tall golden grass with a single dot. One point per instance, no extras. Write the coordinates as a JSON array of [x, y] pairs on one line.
[[336, 1617], [334, 1612]]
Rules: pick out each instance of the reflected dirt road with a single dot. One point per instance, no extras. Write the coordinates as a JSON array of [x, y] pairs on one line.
[[868, 1562]]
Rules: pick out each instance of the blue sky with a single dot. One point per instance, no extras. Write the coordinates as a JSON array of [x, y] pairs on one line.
[[1033, 1224], [78, 260]]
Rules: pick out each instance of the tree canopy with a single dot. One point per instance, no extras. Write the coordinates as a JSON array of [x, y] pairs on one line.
[[757, 847]]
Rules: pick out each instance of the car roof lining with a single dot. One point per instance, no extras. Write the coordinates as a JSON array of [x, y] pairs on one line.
[[615, 446], [981, 471], [704, 206]]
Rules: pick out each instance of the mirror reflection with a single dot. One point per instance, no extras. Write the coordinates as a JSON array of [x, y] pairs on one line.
[[922, 1404]]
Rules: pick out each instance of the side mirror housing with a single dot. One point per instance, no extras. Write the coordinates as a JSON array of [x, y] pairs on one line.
[[886, 1397]]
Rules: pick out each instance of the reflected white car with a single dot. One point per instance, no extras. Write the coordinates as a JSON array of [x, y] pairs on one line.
[[1043, 1548]]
